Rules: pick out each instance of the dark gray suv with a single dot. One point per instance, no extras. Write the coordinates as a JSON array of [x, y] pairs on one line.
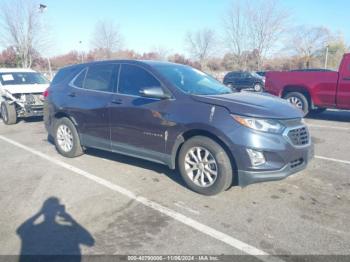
[[177, 116]]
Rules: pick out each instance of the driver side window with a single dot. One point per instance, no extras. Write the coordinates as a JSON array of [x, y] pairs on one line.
[[132, 79]]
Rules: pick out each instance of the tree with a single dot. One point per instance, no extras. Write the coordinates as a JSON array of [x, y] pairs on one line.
[[306, 42], [254, 28], [267, 23], [201, 44], [106, 38], [236, 37], [336, 50], [22, 28], [8, 57]]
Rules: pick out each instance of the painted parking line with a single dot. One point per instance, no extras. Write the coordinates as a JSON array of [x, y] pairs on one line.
[[227, 239], [329, 127], [333, 159]]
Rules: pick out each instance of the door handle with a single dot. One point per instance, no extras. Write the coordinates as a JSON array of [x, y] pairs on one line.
[[72, 94], [346, 78], [117, 101]]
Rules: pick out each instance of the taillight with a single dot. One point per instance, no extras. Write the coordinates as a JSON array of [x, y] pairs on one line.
[[46, 93]]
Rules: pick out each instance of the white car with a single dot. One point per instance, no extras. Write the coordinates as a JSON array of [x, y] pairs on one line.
[[21, 94]]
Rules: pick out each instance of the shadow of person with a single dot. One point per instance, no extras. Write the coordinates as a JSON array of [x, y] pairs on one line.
[[51, 233]]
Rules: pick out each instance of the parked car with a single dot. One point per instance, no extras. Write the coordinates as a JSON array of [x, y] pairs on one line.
[[21, 94], [261, 73], [177, 116], [244, 80], [313, 91]]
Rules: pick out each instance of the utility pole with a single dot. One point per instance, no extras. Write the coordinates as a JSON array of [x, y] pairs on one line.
[[326, 60], [81, 52], [43, 8]]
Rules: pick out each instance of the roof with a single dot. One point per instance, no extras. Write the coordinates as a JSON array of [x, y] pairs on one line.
[[131, 61], [15, 70]]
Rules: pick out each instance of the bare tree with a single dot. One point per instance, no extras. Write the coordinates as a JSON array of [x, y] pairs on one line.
[[254, 28], [201, 44], [107, 38], [307, 42], [22, 28], [267, 22], [236, 34]]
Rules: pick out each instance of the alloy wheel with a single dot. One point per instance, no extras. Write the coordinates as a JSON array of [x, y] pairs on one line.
[[65, 138], [201, 167], [296, 102]]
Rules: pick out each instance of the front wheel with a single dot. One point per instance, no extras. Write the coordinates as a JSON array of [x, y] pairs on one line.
[[66, 137], [8, 113], [299, 101], [205, 166]]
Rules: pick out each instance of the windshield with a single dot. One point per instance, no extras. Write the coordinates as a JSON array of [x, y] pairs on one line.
[[256, 75], [192, 81], [22, 78]]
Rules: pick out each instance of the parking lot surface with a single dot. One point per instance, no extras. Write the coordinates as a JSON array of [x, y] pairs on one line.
[[115, 204]]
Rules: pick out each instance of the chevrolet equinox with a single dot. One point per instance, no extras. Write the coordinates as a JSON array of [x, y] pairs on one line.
[[177, 116]]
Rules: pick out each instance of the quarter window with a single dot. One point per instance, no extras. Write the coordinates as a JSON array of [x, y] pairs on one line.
[[79, 80], [133, 79], [100, 77]]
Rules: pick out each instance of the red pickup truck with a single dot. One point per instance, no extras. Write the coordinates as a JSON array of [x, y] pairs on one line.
[[313, 92]]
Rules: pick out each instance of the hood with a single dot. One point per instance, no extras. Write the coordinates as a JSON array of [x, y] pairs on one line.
[[25, 89], [253, 105]]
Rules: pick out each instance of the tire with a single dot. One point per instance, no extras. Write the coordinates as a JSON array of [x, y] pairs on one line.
[[224, 172], [317, 111], [8, 113], [67, 145], [298, 100], [258, 88]]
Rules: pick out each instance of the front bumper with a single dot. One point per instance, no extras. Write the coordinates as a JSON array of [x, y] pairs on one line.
[[250, 177], [32, 111], [282, 156]]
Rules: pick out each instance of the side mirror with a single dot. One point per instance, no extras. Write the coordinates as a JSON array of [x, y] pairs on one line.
[[154, 92]]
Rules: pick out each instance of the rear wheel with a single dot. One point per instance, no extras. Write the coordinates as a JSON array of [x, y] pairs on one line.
[[299, 101], [232, 87], [66, 137], [8, 113], [205, 166]]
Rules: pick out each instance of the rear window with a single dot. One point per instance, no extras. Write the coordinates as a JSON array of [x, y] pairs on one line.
[[22, 78]]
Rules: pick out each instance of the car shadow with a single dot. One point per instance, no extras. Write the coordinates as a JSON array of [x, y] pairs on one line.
[[52, 233], [31, 119], [158, 168], [331, 115]]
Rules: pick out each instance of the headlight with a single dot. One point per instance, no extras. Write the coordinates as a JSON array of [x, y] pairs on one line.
[[263, 125]]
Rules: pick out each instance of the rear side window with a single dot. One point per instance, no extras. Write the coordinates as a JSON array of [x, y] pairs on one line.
[[100, 77], [64, 74], [132, 79]]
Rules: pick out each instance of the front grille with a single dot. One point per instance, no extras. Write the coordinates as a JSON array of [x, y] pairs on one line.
[[296, 163], [299, 136]]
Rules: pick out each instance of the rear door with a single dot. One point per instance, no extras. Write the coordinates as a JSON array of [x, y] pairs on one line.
[[137, 123], [343, 91], [89, 101]]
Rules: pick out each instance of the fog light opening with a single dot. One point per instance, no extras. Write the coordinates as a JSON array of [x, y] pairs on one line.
[[257, 158]]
